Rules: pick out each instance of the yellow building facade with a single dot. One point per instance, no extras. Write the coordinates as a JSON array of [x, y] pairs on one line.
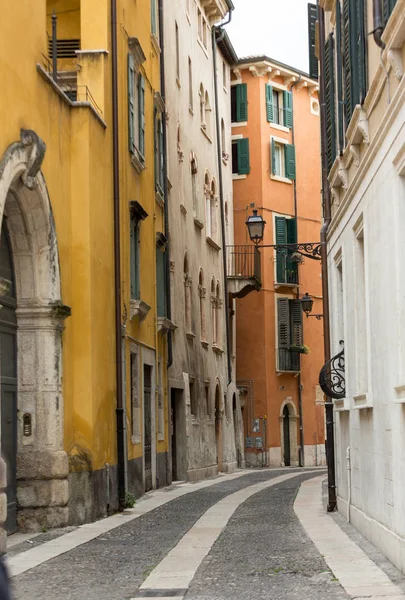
[[60, 207]]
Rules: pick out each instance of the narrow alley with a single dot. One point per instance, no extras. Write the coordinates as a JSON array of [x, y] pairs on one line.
[[253, 534]]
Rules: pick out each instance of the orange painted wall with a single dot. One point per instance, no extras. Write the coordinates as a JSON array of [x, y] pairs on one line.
[[256, 319]]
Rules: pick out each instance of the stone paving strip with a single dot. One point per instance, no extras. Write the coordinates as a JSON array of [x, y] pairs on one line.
[[173, 575], [85, 533], [361, 578]]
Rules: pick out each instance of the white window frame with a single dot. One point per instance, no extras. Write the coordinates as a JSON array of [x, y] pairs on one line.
[[279, 142]]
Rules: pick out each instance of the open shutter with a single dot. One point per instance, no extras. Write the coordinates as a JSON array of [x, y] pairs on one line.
[[281, 256], [313, 61], [273, 157], [141, 124], [243, 156], [283, 333], [134, 259], [296, 332], [160, 283], [269, 103], [161, 154], [361, 66], [292, 267], [347, 70], [287, 105], [241, 103], [341, 140], [290, 170], [131, 103], [330, 103]]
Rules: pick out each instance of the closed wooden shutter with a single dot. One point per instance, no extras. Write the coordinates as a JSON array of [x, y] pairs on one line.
[[273, 157], [330, 103], [281, 256], [287, 105], [243, 156], [161, 154], [347, 69], [269, 103], [283, 333], [131, 103], [290, 169], [313, 61], [160, 283], [339, 78], [296, 322], [292, 267], [360, 37], [141, 108], [134, 259], [241, 103]]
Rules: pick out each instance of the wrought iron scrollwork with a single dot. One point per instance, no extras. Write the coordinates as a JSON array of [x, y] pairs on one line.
[[310, 249], [332, 376]]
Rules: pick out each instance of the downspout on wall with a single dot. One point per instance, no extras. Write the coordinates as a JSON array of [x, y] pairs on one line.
[[301, 457], [330, 434], [221, 194], [120, 407], [165, 190], [378, 23]]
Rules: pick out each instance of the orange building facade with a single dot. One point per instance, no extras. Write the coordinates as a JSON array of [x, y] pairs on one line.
[[276, 171]]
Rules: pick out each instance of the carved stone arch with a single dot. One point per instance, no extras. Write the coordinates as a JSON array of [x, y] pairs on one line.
[[42, 464]]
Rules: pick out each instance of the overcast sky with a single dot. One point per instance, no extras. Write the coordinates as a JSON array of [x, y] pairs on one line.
[[277, 28]]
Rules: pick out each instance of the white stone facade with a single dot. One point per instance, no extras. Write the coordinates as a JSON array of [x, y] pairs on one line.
[[205, 406], [367, 303]]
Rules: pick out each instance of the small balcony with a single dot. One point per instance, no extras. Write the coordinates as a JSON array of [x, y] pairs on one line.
[[243, 270], [288, 361]]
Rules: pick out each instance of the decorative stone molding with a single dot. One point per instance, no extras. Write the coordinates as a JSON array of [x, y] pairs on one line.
[[358, 130], [355, 152], [394, 57], [137, 161], [202, 291], [159, 103], [36, 148], [136, 51], [164, 325], [338, 176], [188, 282], [138, 308]]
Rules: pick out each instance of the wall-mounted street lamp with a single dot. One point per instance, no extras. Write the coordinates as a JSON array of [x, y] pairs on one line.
[[307, 304], [256, 224]]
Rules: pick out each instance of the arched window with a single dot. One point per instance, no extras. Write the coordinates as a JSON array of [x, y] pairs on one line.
[[202, 107], [194, 183], [187, 295], [207, 108], [207, 196], [202, 295]]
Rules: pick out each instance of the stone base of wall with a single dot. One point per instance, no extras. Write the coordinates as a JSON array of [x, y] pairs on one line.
[[93, 495], [229, 467], [42, 490], [194, 475], [315, 455], [390, 544], [162, 470], [135, 477]]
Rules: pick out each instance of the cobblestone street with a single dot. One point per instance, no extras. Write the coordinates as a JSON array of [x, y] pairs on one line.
[[246, 535]]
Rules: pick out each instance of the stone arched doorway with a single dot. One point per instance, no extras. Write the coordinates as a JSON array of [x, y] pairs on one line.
[[218, 426], [38, 465], [288, 434]]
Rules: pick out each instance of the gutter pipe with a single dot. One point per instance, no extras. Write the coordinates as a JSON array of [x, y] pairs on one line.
[[378, 22], [221, 192], [120, 408], [330, 434], [165, 190]]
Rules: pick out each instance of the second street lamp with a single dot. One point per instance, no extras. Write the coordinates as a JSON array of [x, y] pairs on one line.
[[307, 304], [256, 224]]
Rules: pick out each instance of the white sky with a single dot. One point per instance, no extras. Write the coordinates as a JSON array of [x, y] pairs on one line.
[[277, 28]]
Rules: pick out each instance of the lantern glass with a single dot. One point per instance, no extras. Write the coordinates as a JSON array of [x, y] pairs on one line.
[[255, 224], [307, 303]]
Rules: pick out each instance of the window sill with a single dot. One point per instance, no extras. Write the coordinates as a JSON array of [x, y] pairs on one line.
[[159, 198], [136, 439], [281, 179], [164, 325], [138, 162], [204, 344], [155, 43], [204, 130], [362, 401], [292, 286], [241, 124], [212, 243], [279, 127], [203, 48], [190, 335], [235, 176], [198, 223], [138, 308], [161, 437], [217, 349]]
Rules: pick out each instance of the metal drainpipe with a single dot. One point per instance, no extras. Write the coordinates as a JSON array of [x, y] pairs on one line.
[[330, 434], [120, 411], [166, 209], [301, 453], [221, 196], [378, 23]]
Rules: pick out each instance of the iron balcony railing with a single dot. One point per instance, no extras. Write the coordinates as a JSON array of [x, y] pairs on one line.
[[243, 262]]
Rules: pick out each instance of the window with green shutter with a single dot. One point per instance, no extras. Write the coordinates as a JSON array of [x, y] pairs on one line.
[[161, 281], [137, 214], [313, 61], [339, 78], [131, 103], [354, 55], [269, 103], [239, 108], [286, 233], [289, 333], [330, 103], [240, 157], [141, 120], [154, 17], [287, 107], [159, 152]]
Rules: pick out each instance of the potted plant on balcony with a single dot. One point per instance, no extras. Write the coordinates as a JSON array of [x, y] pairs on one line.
[[300, 349]]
